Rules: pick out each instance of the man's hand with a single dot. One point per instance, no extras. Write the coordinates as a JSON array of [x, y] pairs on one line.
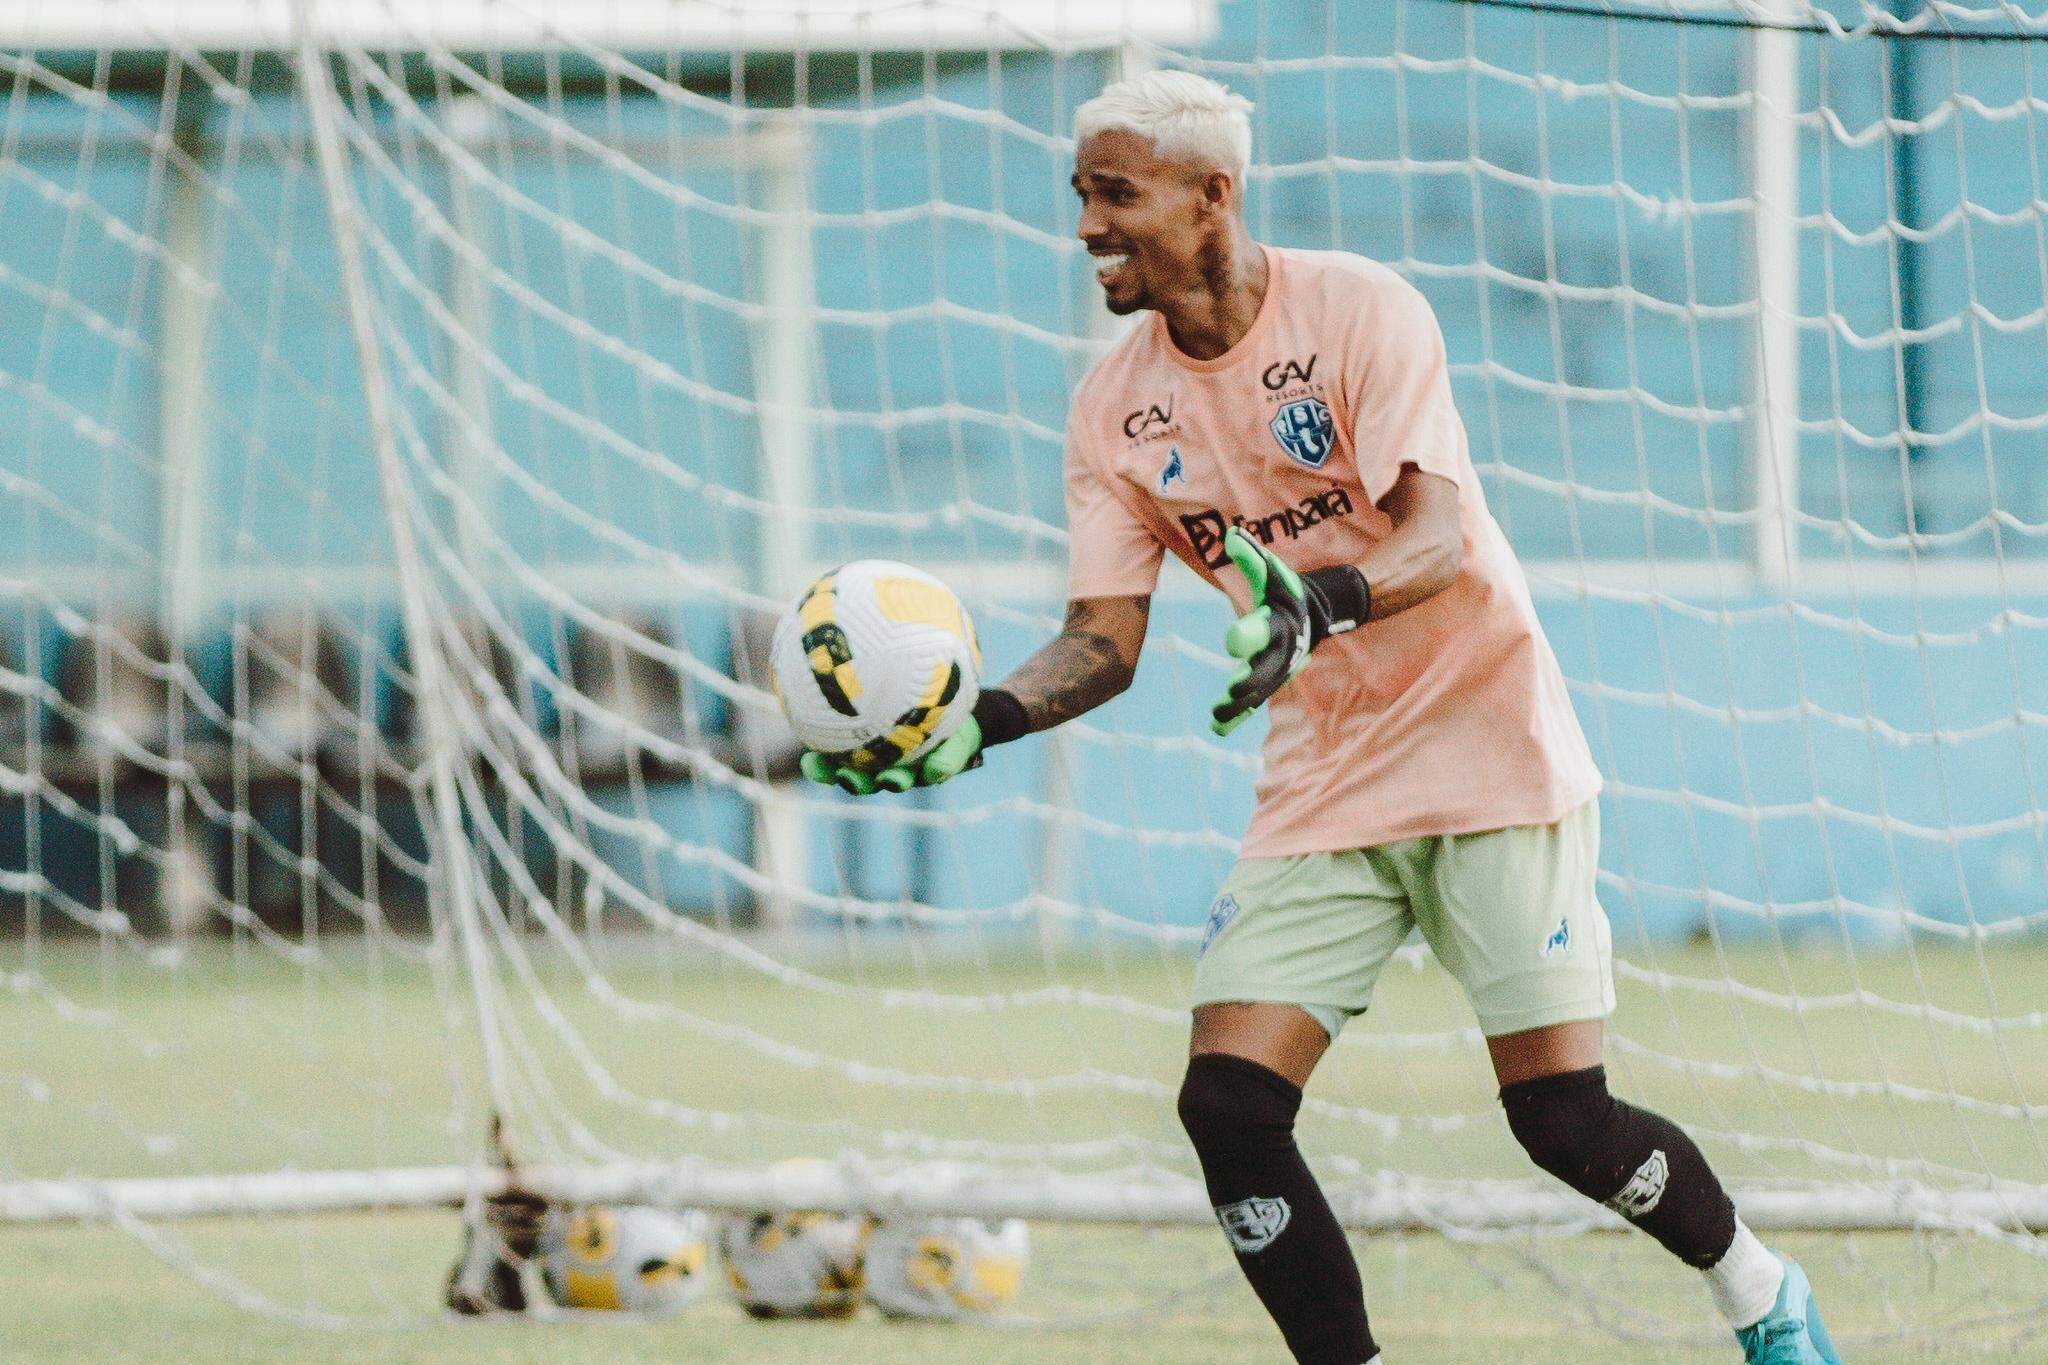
[[959, 751], [1291, 614]]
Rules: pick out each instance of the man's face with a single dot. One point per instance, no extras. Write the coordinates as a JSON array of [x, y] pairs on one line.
[[1146, 221]]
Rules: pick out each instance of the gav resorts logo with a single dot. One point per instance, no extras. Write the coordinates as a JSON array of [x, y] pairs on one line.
[[1172, 472], [1220, 914], [1281, 373], [1305, 431], [1152, 415], [1252, 1224]]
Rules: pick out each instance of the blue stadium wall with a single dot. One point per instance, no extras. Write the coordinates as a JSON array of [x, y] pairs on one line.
[[1840, 756]]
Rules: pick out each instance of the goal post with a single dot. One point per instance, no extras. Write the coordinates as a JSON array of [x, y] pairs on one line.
[[419, 410]]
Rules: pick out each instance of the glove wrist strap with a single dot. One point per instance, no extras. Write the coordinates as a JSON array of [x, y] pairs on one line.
[[1347, 597], [1001, 717]]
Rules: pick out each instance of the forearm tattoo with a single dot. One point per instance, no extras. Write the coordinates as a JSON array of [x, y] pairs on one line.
[[1087, 663]]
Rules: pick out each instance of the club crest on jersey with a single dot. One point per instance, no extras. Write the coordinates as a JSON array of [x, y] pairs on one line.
[[1172, 472], [1305, 431], [1220, 914], [1252, 1224]]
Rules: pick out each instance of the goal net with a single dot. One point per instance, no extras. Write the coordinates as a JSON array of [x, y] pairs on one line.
[[414, 414]]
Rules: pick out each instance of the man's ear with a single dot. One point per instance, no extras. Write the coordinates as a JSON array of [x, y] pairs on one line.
[[1216, 187]]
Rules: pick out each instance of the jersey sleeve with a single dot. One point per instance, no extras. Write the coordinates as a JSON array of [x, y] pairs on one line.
[[1111, 552], [1400, 383]]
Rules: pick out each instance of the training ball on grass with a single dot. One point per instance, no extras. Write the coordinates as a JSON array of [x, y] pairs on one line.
[[945, 1268], [875, 665], [630, 1258], [795, 1265]]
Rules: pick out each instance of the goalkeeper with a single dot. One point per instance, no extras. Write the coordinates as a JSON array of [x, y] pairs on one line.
[[1283, 423]]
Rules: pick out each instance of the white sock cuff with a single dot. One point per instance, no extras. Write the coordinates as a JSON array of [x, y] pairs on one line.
[[1746, 1280]]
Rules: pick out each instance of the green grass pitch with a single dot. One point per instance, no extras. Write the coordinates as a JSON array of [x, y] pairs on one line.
[[231, 1059]]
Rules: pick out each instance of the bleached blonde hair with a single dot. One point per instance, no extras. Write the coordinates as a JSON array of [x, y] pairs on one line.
[[1183, 116]]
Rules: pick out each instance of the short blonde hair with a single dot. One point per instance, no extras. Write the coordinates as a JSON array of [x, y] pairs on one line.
[[1181, 114]]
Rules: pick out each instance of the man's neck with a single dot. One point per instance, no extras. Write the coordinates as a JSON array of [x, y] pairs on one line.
[[1221, 301]]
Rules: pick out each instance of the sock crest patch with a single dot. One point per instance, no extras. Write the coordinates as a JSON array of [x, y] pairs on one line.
[[1252, 1224], [1645, 1189]]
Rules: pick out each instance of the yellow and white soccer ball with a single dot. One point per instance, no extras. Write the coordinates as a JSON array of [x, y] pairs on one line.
[[627, 1258], [876, 664], [945, 1268], [795, 1265]]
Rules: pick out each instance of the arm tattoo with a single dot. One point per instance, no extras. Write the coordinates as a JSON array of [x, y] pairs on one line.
[[1087, 663]]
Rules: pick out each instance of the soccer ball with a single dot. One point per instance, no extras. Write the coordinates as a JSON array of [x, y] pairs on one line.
[[795, 1265], [629, 1259], [875, 665], [945, 1268]]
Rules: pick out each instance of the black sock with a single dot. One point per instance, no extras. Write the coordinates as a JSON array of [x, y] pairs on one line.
[[1240, 1116], [1635, 1162]]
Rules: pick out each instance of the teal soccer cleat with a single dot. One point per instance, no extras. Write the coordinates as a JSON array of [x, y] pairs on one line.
[[1791, 1333]]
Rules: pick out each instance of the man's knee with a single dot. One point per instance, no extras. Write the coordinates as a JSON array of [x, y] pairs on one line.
[[1560, 1121], [1231, 1102]]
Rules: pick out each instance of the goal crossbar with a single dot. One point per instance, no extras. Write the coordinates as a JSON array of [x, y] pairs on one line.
[[1389, 1203]]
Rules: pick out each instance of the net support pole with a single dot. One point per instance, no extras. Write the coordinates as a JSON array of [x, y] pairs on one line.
[[784, 394], [185, 304], [1771, 151], [185, 591]]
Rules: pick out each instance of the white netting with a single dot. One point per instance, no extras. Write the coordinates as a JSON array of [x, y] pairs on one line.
[[415, 419]]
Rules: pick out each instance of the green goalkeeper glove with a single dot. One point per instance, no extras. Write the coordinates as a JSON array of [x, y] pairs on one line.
[[960, 751], [1291, 614]]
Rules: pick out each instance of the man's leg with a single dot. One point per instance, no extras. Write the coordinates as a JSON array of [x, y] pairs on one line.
[[1645, 1168], [1247, 1065], [1512, 914], [1639, 1164]]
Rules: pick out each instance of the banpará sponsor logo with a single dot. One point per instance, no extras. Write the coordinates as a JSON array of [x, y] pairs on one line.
[[1141, 421], [1205, 528], [1281, 373]]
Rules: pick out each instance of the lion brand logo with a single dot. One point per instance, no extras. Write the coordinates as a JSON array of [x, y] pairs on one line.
[[1281, 373], [1173, 471], [1146, 418], [1220, 915]]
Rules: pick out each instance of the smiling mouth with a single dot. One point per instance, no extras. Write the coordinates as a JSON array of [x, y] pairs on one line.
[[1107, 265]]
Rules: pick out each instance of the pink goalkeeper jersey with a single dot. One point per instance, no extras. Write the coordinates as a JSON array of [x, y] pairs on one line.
[[1448, 718]]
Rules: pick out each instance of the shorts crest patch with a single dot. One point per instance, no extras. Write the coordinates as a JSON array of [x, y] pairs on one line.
[[1252, 1224], [1560, 940], [1220, 914], [1305, 431]]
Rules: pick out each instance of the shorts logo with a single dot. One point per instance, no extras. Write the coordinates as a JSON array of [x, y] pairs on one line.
[[1645, 1189], [1560, 940], [1172, 472], [1252, 1224], [1220, 914], [1305, 431]]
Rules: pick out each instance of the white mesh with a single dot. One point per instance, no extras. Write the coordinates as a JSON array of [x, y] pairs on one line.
[[415, 417]]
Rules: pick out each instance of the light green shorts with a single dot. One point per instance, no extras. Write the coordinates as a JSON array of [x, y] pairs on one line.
[[1509, 912]]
